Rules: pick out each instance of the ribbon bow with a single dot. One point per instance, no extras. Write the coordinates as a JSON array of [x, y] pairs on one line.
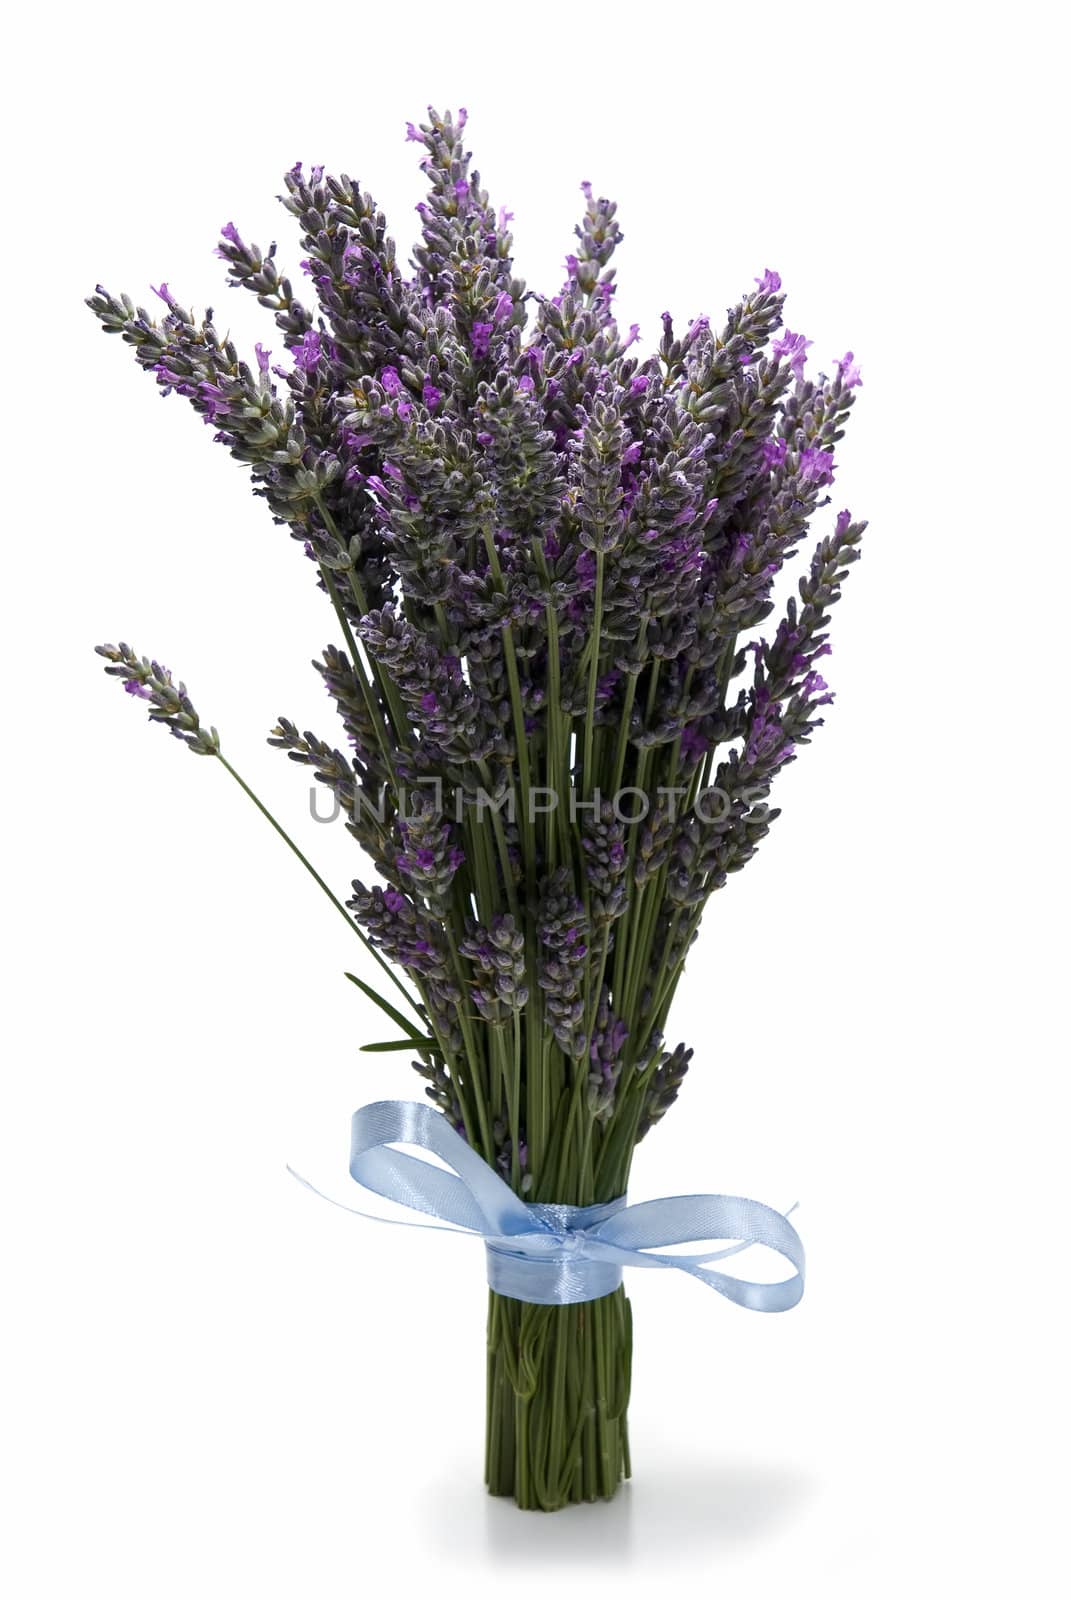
[[556, 1254]]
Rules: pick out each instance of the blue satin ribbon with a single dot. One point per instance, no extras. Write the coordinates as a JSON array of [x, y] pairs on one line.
[[556, 1255]]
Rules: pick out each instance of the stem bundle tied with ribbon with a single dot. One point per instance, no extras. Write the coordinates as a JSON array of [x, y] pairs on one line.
[[558, 1255], [548, 557]]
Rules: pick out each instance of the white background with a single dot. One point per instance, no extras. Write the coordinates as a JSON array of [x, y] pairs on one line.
[[220, 1386]]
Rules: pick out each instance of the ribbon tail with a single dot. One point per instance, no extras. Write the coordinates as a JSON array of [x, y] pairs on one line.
[[634, 1236], [752, 1296], [370, 1216]]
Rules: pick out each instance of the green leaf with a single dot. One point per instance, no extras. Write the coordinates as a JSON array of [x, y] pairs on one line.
[[401, 1044], [385, 1005]]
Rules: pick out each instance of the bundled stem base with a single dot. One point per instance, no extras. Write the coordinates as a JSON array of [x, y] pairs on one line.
[[558, 1382]]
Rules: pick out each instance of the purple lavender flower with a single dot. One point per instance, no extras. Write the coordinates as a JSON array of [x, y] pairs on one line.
[[497, 953], [214, 401], [564, 939], [795, 347], [408, 935], [811, 689], [307, 353], [605, 1057], [849, 373], [816, 466], [663, 1087], [481, 339], [767, 743], [773, 452], [770, 282], [430, 860], [233, 248], [606, 859]]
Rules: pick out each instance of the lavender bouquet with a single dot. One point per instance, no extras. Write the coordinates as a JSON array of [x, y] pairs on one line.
[[546, 554]]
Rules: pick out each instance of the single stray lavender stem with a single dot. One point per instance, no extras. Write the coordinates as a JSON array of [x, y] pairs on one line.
[[328, 891], [147, 680]]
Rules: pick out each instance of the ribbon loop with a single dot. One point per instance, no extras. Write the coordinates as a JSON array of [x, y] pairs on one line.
[[476, 1198], [558, 1254]]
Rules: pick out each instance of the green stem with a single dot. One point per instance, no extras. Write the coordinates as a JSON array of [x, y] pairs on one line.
[[557, 1393], [311, 870], [593, 675]]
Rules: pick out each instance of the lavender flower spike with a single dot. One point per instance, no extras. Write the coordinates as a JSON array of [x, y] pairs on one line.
[[148, 680]]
